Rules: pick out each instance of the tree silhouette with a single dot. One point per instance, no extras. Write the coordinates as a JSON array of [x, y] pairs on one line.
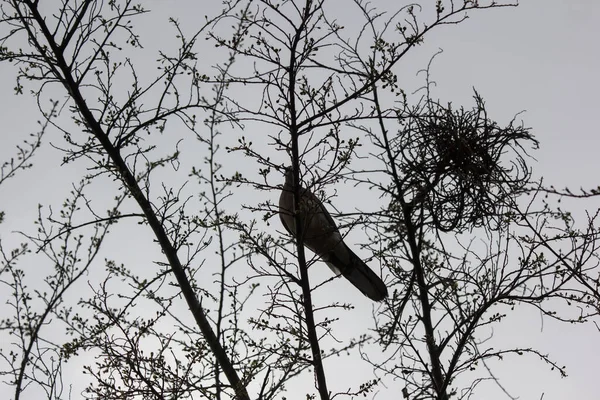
[[168, 155]]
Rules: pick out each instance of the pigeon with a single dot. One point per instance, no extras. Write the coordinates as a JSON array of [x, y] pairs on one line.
[[322, 237]]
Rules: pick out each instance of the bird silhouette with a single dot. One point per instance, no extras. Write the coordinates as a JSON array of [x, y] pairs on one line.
[[322, 237]]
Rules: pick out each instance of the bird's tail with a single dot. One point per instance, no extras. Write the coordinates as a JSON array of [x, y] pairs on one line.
[[365, 280]]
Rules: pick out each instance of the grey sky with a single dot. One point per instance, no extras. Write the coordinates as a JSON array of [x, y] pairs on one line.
[[542, 58]]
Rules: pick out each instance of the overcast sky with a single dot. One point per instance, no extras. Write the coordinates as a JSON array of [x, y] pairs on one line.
[[541, 58]]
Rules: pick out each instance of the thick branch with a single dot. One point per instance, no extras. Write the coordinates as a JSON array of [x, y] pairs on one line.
[[305, 283], [132, 185]]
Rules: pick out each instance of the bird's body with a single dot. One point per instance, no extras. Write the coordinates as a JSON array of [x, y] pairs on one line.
[[323, 238]]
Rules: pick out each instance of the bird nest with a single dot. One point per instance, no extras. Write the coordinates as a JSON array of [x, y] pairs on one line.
[[460, 168]]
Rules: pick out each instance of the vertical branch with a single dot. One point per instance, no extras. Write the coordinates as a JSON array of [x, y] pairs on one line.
[[305, 283], [414, 238], [215, 201], [215, 193]]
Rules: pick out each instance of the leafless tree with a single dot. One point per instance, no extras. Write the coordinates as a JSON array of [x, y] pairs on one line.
[[461, 231]]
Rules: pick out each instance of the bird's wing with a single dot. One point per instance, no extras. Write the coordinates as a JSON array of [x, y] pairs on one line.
[[318, 209], [321, 234]]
